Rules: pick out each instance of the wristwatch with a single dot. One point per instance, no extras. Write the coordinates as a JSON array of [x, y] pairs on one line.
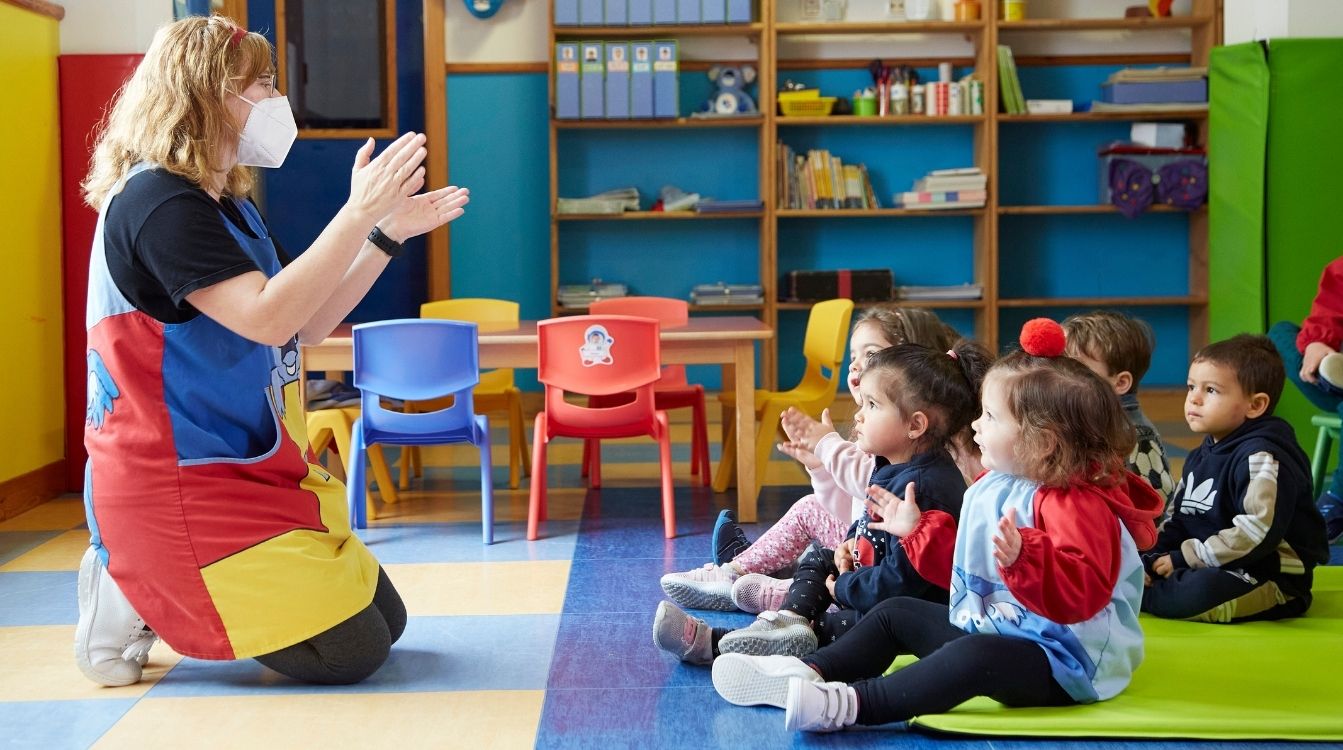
[[385, 243]]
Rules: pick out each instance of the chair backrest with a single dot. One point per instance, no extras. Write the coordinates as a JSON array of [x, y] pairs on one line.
[[414, 360], [823, 346], [483, 311], [668, 311], [597, 355]]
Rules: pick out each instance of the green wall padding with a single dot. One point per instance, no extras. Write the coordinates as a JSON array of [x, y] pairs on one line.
[[1238, 118], [1305, 159]]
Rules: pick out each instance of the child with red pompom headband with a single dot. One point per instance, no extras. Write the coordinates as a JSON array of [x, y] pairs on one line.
[[1045, 580]]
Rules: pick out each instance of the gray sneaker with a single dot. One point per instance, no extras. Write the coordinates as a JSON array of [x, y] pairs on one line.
[[689, 639], [771, 633], [110, 639], [709, 587], [758, 680]]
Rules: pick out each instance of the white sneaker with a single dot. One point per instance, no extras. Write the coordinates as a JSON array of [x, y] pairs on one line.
[[758, 680], [819, 706], [1331, 369], [771, 633], [111, 639], [709, 587], [756, 593], [689, 639]]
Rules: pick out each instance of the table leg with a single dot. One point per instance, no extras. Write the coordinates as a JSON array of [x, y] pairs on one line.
[[747, 489]]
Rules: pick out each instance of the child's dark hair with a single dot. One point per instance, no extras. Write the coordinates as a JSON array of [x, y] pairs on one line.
[[1257, 365], [909, 325], [1123, 343], [1072, 426], [944, 385]]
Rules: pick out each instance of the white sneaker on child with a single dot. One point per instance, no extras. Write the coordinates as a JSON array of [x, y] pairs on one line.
[[709, 587], [758, 680], [819, 706], [689, 639], [110, 639], [756, 593], [772, 633], [1331, 369]]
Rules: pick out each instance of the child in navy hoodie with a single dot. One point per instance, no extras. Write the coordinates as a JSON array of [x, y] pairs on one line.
[[1244, 536]]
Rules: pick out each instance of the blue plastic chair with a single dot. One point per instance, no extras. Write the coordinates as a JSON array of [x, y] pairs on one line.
[[417, 360]]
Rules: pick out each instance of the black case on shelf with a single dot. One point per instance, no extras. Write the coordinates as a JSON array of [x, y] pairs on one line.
[[867, 285]]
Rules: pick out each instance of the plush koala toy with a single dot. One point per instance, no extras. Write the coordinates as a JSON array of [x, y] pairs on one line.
[[731, 97]]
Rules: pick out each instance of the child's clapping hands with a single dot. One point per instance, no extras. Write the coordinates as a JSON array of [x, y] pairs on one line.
[[803, 434]]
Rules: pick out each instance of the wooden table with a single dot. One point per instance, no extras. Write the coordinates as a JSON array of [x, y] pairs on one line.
[[728, 341]]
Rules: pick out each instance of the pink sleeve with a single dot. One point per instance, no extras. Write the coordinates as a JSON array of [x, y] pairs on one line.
[[836, 501], [851, 468], [1325, 321]]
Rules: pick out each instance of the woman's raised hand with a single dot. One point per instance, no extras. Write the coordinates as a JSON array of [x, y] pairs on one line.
[[378, 184], [425, 212]]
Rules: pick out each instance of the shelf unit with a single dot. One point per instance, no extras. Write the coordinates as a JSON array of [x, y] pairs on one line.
[[986, 224]]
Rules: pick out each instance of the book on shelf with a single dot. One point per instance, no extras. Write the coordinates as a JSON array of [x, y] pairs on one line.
[[931, 293], [711, 206], [1009, 85], [943, 180], [1049, 106], [821, 180], [1098, 106], [615, 201], [943, 199]]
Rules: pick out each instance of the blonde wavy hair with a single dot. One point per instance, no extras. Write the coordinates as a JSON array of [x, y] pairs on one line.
[[172, 110]]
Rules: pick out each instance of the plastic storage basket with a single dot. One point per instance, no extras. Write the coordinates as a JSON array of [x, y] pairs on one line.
[[806, 103]]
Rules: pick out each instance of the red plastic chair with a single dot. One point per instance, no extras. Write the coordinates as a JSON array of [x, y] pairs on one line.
[[673, 391], [599, 355]]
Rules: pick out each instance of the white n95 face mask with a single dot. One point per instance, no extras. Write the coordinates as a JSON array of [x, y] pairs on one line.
[[269, 132]]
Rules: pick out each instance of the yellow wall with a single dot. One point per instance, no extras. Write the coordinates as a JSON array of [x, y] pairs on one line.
[[31, 386]]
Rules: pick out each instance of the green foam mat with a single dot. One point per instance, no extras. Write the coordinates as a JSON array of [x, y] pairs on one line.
[[1251, 681]]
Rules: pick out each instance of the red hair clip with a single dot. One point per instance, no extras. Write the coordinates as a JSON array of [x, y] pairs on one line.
[[238, 34], [1042, 337]]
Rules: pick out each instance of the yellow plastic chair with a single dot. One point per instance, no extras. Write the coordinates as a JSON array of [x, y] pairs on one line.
[[327, 426], [496, 391], [823, 347]]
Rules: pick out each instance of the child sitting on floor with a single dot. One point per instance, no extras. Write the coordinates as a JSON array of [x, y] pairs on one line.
[[825, 514], [1045, 580], [1244, 535], [915, 400], [1119, 349]]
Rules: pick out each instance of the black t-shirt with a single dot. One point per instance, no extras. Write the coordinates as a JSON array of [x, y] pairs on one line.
[[165, 238]]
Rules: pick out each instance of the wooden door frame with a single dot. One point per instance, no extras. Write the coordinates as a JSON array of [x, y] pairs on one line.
[[438, 265]]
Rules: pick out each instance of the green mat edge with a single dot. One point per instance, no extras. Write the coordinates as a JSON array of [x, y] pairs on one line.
[[983, 717]]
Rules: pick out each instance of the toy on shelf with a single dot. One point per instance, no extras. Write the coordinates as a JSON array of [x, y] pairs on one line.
[[731, 99]]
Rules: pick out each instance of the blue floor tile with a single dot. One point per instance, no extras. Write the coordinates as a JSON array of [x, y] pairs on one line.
[[59, 724], [620, 585], [436, 654], [38, 599]]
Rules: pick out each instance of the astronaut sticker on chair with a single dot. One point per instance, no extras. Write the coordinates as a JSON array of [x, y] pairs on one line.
[[596, 348]]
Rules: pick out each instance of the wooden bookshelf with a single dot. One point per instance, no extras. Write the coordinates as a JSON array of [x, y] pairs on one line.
[[1184, 301], [1163, 115], [1105, 24], [885, 27], [661, 124], [933, 304], [660, 216], [1100, 208], [891, 120], [871, 213], [649, 32]]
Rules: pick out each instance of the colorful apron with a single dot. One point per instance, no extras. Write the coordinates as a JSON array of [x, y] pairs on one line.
[[201, 492]]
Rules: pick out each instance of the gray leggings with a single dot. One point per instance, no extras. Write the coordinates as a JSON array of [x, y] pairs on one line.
[[350, 651]]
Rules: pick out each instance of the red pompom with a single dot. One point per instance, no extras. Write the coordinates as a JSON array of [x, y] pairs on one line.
[[1042, 337]]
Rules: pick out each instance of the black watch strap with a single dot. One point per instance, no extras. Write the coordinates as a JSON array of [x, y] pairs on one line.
[[385, 243]]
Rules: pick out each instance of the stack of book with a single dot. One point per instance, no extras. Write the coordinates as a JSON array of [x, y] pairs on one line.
[[946, 188], [933, 293], [1009, 85], [820, 180]]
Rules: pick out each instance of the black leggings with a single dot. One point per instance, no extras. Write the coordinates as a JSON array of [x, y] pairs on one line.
[[807, 595], [1221, 595], [350, 651], [1012, 671]]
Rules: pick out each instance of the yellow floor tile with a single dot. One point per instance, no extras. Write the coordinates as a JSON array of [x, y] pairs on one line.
[[55, 515], [487, 719], [40, 666], [61, 553], [497, 588]]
